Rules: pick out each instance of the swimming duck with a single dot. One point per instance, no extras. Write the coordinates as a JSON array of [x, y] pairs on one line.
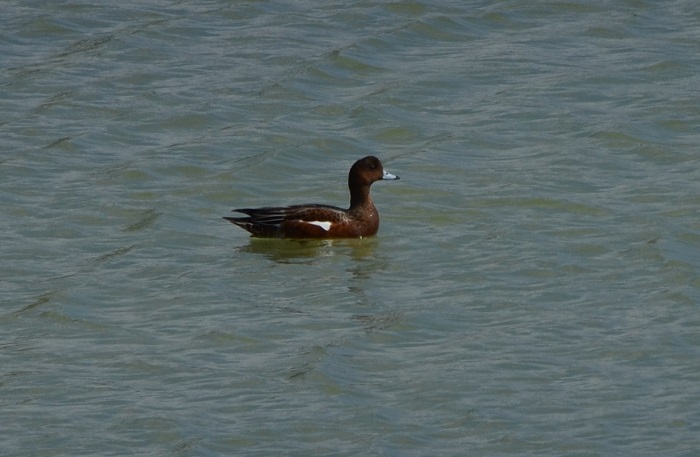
[[322, 221]]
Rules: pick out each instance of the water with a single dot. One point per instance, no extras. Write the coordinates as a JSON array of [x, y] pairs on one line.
[[533, 289]]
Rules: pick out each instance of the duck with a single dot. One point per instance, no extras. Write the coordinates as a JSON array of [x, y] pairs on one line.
[[319, 221]]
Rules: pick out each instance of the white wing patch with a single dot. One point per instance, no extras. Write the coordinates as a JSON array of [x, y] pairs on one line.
[[325, 225]]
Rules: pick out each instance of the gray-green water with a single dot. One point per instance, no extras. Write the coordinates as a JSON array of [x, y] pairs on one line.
[[534, 288]]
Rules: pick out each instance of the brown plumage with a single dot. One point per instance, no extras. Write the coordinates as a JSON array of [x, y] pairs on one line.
[[361, 219]]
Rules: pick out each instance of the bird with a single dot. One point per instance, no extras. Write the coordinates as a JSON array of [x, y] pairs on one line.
[[319, 221]]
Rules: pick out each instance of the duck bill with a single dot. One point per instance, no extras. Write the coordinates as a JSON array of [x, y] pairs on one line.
[[389, 176]]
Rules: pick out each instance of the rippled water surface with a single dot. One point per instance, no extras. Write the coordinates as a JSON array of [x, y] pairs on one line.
[[534, 288]]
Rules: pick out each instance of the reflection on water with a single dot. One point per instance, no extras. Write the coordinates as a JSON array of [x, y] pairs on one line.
[[300, 251]]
